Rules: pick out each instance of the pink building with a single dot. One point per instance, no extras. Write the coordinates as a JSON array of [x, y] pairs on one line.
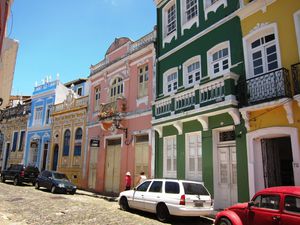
[[119, 119]]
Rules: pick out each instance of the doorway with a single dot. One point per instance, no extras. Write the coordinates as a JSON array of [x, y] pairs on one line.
[[277, 158], [6, 155], [141, 156], [55, 158], [112, 166], [45, 152], [93, 167]]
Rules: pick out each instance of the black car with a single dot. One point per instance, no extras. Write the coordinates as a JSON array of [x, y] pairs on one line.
[[55, 182], [19, 173]]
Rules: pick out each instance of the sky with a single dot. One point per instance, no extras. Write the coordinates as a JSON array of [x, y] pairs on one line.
[[67, 36]]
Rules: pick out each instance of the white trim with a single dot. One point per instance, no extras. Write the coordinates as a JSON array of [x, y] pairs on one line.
[[210, 52], [297, 98], [113, 137], [165, 82], [187, 24], [178, 126], [253, 7], [185, 65], [167, 38], [208, 7], [172, 173], [255, 173], [297, 29], [159, 130], [260, 30], [42, 95], [289, 111]]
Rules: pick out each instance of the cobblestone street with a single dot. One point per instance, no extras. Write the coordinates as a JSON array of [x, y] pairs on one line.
[[20, 205]]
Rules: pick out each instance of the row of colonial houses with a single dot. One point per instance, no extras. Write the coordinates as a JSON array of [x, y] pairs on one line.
[[212, 94]]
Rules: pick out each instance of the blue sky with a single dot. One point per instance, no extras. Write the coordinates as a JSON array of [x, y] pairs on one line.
[[67, 36]]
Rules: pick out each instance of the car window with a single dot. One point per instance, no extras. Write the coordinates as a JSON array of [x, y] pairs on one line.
[[194, 189], [172, 187], [156, 186], [144, 186], [60, 176], [267, 201], [44, 173], [292, 204]]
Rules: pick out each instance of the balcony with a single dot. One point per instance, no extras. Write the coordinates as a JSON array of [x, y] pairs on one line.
[[72, 104], [112, 109], [266, 87], [17, 111], [296, 78]]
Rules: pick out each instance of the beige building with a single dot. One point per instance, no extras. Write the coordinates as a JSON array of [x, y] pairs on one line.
[[68, 137]]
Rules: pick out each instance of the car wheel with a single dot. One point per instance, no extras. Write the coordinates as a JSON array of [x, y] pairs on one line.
[[72, 192], [37, 186], [124, 204], [16, 181], [53, 189], [162, 212], [224, 221], [2, 179]]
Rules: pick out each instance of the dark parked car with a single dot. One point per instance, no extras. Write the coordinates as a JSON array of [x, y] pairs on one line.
[[18, 173], [55, 182]]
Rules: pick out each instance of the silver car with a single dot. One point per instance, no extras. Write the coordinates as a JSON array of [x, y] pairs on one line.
[[167, 197]]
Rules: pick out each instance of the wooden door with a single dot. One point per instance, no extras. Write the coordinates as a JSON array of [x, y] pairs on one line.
[[93, 167], [141, 159], [112, 168]]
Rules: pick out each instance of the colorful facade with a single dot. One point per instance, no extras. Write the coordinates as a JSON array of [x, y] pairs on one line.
[[270, 98], [13, 129], [68, 130], [199, 134], [39, 123], [119, 119]]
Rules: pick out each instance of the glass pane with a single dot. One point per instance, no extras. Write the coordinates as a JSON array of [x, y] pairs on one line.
[[273, 66], [269, 38], [194, 189], [258, 70], [156, 186], [271, 49], [256, 55], [171, 187], [292, 204], [255, 43]]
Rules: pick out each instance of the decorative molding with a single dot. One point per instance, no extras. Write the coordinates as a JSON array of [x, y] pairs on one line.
[[246, 117], [235, 114], [258, 27], [213, 7], [159, 130], [289, 111], [178, 126], [297, 98], [204, 122]]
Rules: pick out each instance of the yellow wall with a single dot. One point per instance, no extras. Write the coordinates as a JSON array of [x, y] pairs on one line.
[[280, 12]]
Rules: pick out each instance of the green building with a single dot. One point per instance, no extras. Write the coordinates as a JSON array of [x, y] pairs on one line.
[[199, 134]]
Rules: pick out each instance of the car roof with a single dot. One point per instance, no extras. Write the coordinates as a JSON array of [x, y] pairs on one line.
[[282, 189], [172, 179]]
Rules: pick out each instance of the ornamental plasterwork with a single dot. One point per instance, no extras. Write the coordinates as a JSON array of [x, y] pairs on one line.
[[70, 100], [258, 26]]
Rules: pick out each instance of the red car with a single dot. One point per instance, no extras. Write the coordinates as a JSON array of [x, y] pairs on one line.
[[271, 206]]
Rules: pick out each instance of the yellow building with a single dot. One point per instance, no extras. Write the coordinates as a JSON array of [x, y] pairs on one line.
[[68, 137], [271, 104]]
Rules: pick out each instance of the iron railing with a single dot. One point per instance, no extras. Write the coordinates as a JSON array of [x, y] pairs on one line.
[[17, 111], [296, 78], [266, 87]]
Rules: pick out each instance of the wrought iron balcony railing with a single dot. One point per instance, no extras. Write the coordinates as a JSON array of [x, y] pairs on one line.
[[17, 111], [266, 87], [296, 78]]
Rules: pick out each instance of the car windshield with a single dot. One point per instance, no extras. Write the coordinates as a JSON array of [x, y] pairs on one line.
[[60, 176], [194, 189]]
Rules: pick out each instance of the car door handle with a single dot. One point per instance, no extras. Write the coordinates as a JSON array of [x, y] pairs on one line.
[[276, 218]]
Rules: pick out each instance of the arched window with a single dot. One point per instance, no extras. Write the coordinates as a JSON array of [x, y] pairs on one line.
[[78, 140], [66, 143], [116, 89]]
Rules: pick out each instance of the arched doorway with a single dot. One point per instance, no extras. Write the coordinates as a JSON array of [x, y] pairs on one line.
[[55, 157]]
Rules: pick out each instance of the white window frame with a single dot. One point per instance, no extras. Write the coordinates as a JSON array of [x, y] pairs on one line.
[[185, 23], [165, 80], [143, 87], [78, 91], [262, 31], [97, 96], [167, 38], [186, 64], [120, 84], [210, 53], [48, 107], [297, 27], [196, 174], [40, 121], [173, 172], [212, 7]]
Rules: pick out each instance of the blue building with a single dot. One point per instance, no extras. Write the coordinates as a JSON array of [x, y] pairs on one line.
[[39, 123], [79, 86]]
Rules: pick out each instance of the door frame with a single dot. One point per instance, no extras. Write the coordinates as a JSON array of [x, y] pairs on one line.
[[255, 171], [216, 143]]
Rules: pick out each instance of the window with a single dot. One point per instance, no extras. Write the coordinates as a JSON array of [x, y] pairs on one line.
[[48, 113], [170, 159], [212, 6], [143, 77], [191, 9], [66, 143], [297, 27], [170, 81], [78, 140], [267, 201], [79, 91], [192, 71], [219, 59], [292, 204], [97, 91], [194, 189], [194, 156], [38, 115], [171, 19], [21, 143], [172, 187], [156, 187], [144, 186], [15, 141], [116, 89], [264, 55]]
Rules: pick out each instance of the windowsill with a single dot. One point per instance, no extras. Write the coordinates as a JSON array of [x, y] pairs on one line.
[[214, 7], [187, 25], [142, 100], [169, 37]]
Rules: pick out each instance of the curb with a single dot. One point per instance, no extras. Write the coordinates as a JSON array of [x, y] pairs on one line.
[[94, 195]]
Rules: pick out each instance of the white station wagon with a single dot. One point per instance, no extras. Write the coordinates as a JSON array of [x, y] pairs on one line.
[[167, 197]]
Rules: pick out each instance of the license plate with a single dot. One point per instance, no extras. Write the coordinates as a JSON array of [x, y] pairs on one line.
[[198, 203]]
